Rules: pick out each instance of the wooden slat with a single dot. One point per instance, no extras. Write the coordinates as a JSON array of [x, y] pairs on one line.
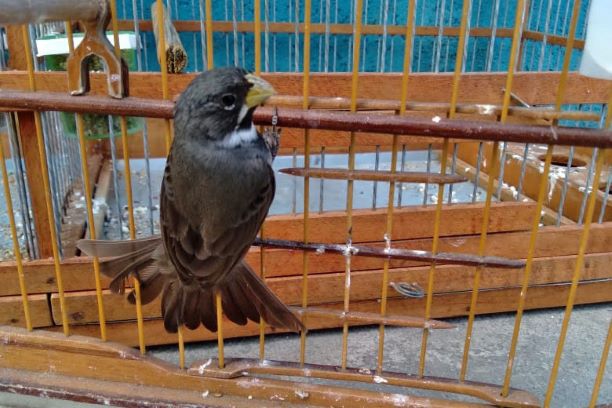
[[11, 311], [534, 88], [52, 365], [328, 288], [551, 242], [409, 222], [444, 305], [347, 29]]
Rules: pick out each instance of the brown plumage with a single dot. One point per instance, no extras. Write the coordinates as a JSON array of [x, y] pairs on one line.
[[217, 188]]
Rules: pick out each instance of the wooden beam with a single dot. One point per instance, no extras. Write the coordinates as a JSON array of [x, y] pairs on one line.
[[444, 305], [334, 142], [481, 88], [51, 365], [11, 311], [551, 242], [409, 222], [365, 286]]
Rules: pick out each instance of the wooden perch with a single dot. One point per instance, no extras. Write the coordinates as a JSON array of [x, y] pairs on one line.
[[176, 56]]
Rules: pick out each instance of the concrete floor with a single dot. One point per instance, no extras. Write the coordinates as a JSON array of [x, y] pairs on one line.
[[490, 343]]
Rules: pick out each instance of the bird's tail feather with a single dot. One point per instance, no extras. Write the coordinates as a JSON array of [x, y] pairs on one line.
[[136, 257], [244, 297]]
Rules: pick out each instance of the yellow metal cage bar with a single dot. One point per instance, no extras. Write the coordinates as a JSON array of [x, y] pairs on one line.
[[218, 302], [516, 38], [584, 237], [163, 63], [539, 205], [42, 156], [88, 201], [18, 259], [443, 163], [128, 185], [410, 23], [351, 166], [602, 367], [306, 189], [262, 250]]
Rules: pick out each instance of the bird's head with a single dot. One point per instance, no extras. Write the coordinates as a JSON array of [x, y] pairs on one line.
[[219, 103]]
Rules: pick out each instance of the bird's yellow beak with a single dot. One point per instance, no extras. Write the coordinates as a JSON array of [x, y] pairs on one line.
[[259, 92]]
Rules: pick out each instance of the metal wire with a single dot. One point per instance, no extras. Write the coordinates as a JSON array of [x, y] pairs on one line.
[[519, 188], [80, 127], [492, 175], [602, 367], [602, 211], [128, 174], [47, 187], [588, 183], [145, 131], [351, 166], [574, 286], [15, 238]]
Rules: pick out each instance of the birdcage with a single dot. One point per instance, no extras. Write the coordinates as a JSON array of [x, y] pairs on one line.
[[442, 201]]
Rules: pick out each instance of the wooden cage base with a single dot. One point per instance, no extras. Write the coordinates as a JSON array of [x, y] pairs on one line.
[[89, 370]]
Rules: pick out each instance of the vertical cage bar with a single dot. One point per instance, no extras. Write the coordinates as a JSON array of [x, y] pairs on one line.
[[306, 188], [518, 23], [80, 127], [589, 180], [218, 303], [410, 22], [602, 212], [262, 263], [432, 267], [528, 268], [465, 13], [351, 165], [209, 35], [443, 162], [574, 286], [47, 187], [602, 367], [168, 140], [128, 180], [145, 132], [15, 238]]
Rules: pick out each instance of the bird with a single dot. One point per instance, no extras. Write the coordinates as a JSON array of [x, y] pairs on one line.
[[217, 188]]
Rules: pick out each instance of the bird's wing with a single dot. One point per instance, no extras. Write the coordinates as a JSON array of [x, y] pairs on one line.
[[209, 254]]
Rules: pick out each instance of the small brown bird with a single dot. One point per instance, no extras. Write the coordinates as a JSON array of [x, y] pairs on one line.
[[216, 191]]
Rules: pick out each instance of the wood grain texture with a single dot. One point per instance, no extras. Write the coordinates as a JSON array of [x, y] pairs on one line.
[[365, 286], [484, 88], [75, 363], [11, 311], [408, 222], [551, 242], [444, 305]]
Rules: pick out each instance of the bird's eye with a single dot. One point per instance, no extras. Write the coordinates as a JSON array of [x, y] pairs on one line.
[[229, 101]]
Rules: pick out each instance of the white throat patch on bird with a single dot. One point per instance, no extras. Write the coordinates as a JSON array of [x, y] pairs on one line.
[[239, 136]]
